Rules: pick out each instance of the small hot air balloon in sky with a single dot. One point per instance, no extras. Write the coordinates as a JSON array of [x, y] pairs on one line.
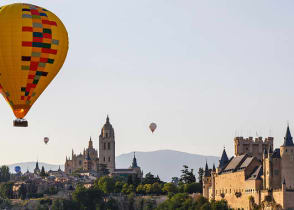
[[33, 48], [152, 127], [46, 140], [17, 169]]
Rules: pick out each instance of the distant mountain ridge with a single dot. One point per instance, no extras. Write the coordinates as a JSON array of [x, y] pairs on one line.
[[164, 163]]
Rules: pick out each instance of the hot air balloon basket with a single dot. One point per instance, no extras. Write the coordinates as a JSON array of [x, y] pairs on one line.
[[20, 123]]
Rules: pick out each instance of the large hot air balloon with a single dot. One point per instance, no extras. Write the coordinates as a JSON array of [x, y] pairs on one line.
[[46, 140], [17, 169], [152, 127], [33, 47]]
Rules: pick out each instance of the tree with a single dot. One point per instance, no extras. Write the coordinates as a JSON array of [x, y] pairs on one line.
[[187, 176], [140, 189], [22, 192], [150, 179], [4, 174], [125, 189], [175, 180], [200, 175], [156, 188], [118, 186], [148, 188], [6, 190], [88, 199], [192, 188], [170, 188], [106, 184]]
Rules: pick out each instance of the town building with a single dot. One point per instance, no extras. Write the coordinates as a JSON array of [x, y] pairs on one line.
[[257, 175]]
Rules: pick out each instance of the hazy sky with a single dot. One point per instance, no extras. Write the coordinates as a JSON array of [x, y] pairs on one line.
[[202, 70]]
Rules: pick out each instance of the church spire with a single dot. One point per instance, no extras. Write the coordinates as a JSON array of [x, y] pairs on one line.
[[107, 119], [288, 140], [134, 164], [213, 168]]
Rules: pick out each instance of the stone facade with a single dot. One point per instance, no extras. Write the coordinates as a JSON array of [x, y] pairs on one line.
[[89, 160], [256, 174]]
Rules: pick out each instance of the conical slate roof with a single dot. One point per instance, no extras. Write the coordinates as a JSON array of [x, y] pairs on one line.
[[224, 159], [288, 140]]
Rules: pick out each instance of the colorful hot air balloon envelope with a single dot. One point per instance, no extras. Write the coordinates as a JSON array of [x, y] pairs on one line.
[[33, 48], [17, 169], [46, 140], [152, 127]]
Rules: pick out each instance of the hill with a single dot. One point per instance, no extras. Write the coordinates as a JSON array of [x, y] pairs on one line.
[[165, 163]]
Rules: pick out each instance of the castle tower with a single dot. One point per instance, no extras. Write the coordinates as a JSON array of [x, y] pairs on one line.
[[206, 181], [268, 169], [107, 146], [287, 159]]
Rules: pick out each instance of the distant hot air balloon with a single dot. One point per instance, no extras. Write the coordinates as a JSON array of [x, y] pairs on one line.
[[46, 140], [33, 47], [17, 169], [152, 127]]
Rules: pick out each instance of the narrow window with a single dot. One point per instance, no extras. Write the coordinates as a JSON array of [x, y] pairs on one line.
[[104, 146], [108, 159], [104, 159], [108, 145]]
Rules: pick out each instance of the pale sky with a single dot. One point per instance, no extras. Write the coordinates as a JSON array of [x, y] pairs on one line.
[[202, 70]]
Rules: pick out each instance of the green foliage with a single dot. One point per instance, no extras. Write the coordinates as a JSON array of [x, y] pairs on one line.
[[156, 188], [106, 184], [170, 188], [118, 186], [187, 176], [200, 175], [88, 199], [150, 179], [193, 188], [22, 192], [140, 189], [6, 190], [183, 201], [4, 174]]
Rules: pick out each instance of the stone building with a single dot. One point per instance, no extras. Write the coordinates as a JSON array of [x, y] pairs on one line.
[[89, 161], [257, 175]]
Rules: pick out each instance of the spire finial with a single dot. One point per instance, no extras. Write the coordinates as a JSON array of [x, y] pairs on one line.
[[107, 119], [134, 154]]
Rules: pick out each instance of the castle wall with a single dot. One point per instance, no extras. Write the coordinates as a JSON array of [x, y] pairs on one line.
[[287, 165], [276, 179]]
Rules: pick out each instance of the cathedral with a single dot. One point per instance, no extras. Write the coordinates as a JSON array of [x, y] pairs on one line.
[[88, 161], [257, 175]]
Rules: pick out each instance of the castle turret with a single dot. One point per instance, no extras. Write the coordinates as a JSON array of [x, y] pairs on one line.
[[287, 159], [107, 146]]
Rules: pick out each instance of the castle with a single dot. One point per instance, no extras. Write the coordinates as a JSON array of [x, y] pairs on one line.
[[257, 175], [88, 161]]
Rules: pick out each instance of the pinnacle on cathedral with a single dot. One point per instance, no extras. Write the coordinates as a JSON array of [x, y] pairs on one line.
[[134, 164], [288, 140]]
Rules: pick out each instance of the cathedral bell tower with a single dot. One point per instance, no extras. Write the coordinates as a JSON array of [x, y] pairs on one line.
[[107, 146]]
